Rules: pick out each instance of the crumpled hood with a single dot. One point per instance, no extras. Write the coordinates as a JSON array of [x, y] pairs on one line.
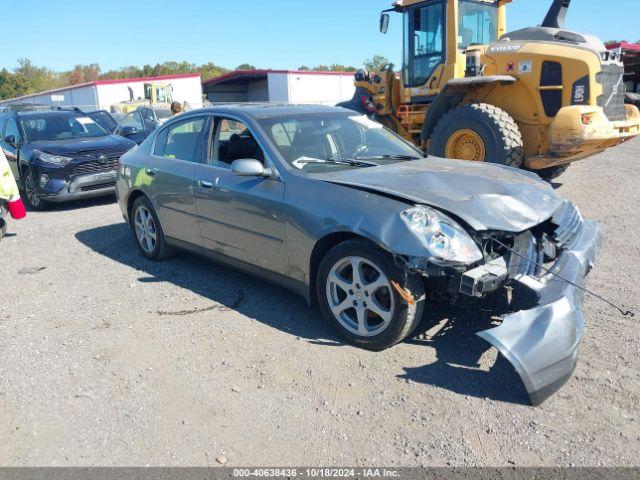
[[486, 196]]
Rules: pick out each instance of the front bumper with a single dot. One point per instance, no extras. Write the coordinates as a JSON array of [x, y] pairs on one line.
[[570, 139], [542, 343], [85, 186]]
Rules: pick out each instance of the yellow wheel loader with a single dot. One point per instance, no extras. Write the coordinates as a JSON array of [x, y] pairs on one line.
[[538, 98], [158, 95]]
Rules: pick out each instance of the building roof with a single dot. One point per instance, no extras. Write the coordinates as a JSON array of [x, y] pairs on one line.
[[106, 82], [248, 76], [625, 46]]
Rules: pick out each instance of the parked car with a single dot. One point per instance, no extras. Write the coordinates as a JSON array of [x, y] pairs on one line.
[[332, 205], [60, 155], [139, 124]]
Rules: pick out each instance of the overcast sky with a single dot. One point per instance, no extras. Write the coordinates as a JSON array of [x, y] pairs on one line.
[[267, 33]]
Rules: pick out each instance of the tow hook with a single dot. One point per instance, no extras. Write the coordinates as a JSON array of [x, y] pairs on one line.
[[404, 293]]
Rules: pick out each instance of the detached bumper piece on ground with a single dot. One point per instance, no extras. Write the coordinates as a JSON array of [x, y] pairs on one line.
[[542, 343]]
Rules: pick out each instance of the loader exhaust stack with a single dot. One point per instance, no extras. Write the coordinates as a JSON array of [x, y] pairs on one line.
[[557, 14]]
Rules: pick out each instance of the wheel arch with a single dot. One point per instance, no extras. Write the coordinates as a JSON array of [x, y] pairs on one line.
[[453, 94], [322, 247], [133, 196]]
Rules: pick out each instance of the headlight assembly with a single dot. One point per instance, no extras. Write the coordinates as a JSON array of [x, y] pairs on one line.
[[53, 159], [446, 241]]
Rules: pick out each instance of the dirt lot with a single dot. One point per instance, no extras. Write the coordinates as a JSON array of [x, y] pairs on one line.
[[107, 359]]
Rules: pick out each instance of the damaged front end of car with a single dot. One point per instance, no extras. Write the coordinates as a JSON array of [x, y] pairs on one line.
[[549, 261]]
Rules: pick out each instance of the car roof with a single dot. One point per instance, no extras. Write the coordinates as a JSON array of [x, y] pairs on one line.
[[48, 113], [267, 110]]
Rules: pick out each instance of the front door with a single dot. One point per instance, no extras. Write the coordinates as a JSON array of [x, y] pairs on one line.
[[171, 172], [423, 43], [240, 217], [11, 141]]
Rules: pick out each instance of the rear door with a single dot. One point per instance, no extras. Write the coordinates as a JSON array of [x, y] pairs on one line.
[[178, 152], [240, 217]]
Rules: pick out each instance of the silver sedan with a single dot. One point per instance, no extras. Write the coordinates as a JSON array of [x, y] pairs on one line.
[[332, 205]]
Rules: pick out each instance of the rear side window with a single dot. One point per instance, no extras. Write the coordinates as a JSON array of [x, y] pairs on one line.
[[182, 140]]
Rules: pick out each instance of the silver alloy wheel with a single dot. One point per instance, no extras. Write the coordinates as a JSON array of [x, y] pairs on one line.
[[145, 229], [30, 189], [360, 296]]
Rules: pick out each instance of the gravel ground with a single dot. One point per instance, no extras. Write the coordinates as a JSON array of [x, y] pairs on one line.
[[107, 359]]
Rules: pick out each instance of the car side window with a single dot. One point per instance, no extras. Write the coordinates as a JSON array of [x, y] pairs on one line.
[[132, 119], [182, 140], [233, 141], [11, 129], [161, 142]]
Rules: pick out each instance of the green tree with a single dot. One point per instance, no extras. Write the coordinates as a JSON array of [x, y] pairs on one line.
[[336, 67], [377, 63], [246, 66]]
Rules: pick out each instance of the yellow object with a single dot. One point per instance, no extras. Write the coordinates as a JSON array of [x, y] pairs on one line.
[[466, 144], [547, 88], [8, 186], [158, 95]]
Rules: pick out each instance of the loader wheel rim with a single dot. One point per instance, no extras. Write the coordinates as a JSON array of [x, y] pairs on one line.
[[466, 144]]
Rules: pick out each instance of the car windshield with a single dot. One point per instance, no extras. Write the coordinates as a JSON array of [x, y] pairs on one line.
[[316, 143], [48, 127]]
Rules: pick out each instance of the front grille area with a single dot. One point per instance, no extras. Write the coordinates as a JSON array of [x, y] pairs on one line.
[[94, 166], [100, 186], [91, 164], [528, 258], [612, 98], [569, 225], [541, 246]]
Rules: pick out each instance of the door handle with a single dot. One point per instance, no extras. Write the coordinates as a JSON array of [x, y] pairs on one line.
[[150, 172], [203, 184]]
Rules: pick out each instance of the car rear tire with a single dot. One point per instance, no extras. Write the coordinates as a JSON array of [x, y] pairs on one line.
[[147, 231], [365, 307], [32, 199], [479, 132]]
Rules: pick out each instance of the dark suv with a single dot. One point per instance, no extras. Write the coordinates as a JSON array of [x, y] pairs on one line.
[[60, 155]]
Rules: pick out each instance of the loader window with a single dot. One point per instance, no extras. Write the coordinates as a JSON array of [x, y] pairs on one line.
[[424, 40], [478, 23]]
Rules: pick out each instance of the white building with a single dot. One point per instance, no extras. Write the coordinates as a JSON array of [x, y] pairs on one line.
[[102, 94], [327, 88]]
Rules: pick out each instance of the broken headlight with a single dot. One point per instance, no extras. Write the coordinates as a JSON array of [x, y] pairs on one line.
[[445, 240]]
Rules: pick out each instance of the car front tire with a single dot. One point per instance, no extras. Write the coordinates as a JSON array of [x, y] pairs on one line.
[[356, 292], [32, 199], [147, 231]]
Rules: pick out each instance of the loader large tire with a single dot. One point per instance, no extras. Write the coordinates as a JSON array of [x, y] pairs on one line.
[[478, 132]]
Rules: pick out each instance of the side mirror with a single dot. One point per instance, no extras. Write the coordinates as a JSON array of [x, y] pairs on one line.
[[249, 167], [11, 140], [384, 23], [128, 131]]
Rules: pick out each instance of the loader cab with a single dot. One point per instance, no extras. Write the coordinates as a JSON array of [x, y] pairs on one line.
[[437, 32]]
